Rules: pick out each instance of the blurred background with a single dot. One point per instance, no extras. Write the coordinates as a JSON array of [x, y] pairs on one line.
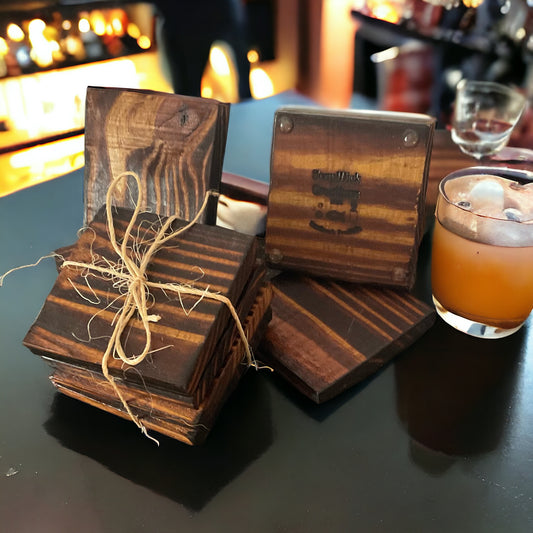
[[402, 55]]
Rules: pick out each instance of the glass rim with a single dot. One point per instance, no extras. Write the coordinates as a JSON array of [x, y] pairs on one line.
[[481, 84], [518, 175]]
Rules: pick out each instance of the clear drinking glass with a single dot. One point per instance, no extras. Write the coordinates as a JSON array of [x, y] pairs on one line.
[[482, 256], [484, 116]]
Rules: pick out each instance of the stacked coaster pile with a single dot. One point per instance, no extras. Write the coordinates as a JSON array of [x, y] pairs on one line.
[[197, 354], [345, 219]]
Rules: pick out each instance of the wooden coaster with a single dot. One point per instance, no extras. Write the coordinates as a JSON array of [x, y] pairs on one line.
[[174, 143], [347, 194], [326, 336], [76, 320], [158, 411]]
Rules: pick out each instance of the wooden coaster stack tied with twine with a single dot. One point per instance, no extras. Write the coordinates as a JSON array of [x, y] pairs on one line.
[[152, 317]]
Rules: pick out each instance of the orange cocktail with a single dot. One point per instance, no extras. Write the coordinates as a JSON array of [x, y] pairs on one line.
[[482, 258]]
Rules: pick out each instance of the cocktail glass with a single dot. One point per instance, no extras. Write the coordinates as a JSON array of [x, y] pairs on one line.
[[484, 116], [482, 256]]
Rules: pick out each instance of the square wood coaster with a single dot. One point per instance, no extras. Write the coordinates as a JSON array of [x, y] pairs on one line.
[[326, 336], [174, 143], [347, 193], [158, 411], [76, 320]]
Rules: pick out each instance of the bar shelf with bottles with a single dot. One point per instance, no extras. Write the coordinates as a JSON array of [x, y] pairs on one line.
[[49, 56]]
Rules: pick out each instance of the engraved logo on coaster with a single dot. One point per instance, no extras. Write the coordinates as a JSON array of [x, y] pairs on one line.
[[338, 195]]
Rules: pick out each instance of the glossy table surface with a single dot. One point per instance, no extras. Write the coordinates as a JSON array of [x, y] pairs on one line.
[[441, 439]]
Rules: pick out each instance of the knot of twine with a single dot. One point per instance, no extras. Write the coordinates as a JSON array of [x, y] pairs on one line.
[[137, 287]]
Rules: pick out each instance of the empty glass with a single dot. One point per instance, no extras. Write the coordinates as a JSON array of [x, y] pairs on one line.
[[484, 116]]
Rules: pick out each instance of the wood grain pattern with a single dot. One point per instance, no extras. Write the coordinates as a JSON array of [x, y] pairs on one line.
[[347, 194], [326, 336], [159, 412], [256, 282], [175, 143], [76, 319]]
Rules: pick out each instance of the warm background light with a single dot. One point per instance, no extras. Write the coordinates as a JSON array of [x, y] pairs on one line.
[[219, 61], [42, 51], [36, 27], [133, 30], [144, 42], [43, 96], [84, 25], [207, 91], [253, 56], [261, 85], [97, 21], [15, 32], [220, 79], [390, 11], [117, 26]]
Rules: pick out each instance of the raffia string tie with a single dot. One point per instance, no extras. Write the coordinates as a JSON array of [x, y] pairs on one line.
[[137, 287]]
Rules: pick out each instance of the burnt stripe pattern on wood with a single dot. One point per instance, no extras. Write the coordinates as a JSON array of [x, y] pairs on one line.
[[76, 324], [347, 194], [160, 412], [326, 336]]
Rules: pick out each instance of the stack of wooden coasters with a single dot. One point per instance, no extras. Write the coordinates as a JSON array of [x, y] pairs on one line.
[[345, 217], [198, 344], [197, 354]]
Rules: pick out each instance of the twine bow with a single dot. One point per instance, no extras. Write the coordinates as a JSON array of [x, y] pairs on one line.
[[133, 275]]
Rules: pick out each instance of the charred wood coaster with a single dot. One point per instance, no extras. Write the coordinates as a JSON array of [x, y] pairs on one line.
[[347, 193]]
